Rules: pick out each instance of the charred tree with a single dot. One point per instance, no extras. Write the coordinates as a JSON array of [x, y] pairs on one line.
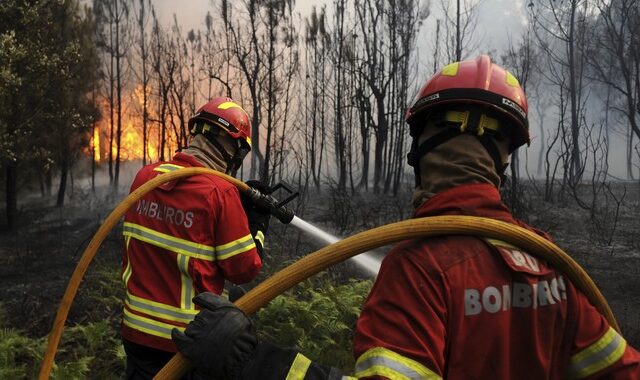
[[617, 62], [143, 52]]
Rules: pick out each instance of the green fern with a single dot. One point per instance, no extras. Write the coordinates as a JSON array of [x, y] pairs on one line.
[[94, 345], [76, 370], [92, 348], [318, 317], [18, 354]]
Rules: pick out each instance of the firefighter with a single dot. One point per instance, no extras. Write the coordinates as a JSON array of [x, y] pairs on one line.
[[455, 307], [187, 237]]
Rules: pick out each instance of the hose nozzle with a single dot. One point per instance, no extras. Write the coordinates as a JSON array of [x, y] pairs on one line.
[[276, 208]]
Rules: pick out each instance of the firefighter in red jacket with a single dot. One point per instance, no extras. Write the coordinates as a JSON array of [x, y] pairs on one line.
[[187, 237], [455, 307]]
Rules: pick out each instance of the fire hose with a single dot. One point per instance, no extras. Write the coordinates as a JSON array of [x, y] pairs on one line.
[[326, 257]]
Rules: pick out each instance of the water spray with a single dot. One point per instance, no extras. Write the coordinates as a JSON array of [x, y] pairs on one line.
[[365, 261], [285, 215]]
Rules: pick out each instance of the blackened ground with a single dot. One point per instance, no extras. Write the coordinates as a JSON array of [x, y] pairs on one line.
[[37, 260]]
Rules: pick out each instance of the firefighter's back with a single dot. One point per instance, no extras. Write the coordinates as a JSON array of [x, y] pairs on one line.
[[508, 312], [463, 307], [170, 253]]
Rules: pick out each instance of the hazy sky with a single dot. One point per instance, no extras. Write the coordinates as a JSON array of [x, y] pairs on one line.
[[498, 21], [497, 18], [192, 12]]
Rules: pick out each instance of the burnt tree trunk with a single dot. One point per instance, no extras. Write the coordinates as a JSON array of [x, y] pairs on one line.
[[11, 174]]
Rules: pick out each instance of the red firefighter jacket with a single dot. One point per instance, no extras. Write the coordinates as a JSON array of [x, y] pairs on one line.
[[460, 307], [185, 237]]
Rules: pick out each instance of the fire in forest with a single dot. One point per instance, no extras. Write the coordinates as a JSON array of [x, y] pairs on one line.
[[131, 137]]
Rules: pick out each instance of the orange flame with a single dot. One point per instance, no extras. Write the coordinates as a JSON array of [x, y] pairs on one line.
[[131, 138], [95, 144]]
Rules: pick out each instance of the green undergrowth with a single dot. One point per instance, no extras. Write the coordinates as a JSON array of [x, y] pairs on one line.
[[318, 318], [90, 347], [18, 354]]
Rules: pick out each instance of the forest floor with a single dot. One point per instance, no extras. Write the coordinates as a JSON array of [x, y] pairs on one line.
[[37, 259]]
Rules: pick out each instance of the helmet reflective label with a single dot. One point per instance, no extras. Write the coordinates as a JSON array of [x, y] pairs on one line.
[[426, 100], [514, 106], [432, 97], [224, 122]]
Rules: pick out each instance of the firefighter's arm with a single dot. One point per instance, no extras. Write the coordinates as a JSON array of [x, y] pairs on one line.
[[599, 352], [221, 345], [257, 216], [236, 252]]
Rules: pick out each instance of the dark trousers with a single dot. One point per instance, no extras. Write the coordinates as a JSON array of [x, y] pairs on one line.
[[144, 362]]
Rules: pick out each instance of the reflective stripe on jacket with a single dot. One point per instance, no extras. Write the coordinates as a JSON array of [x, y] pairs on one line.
[[185, 237], [381, 362]]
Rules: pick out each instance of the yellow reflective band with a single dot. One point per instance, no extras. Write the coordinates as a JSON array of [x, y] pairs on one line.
[[603, 353], [148, 326], [235, 247], [168, 242], [159, 310], [227, 105], [167, 168], [380, 361], [499, 243], [298, 368], [451, 70], [186, 293], [512, 80], [126, 274], [259, 237]]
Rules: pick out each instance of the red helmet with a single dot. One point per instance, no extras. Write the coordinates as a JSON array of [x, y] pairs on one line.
[[479, 82], [224, 113]]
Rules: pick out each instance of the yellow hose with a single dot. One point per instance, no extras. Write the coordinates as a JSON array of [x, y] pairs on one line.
[[325, 257], [408, 229], [94, 244]]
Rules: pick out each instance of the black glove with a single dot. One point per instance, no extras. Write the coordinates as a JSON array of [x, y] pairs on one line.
[[257, 216], [220, 344], [219, 341]]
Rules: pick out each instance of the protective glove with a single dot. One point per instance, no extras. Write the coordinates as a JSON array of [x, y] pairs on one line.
[[221, 345], [219, 341], [257, 216]]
